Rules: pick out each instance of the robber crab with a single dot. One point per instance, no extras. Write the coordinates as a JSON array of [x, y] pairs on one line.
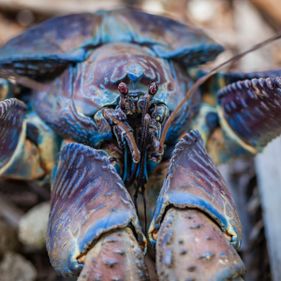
[[105, 118]]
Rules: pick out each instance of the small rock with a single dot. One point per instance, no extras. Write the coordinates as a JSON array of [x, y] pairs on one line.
[[14, 267], [33, 226]]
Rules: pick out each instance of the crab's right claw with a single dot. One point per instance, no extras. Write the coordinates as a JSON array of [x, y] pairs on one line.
[[93, 225], [250, 111], [195, 224]]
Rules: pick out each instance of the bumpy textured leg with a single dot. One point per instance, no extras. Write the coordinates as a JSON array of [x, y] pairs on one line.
[[250, 111], [248, 105], [195, 224], [90, 209], [20, 157]]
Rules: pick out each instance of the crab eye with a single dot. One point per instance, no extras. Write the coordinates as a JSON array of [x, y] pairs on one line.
[[123, 88], [153, 88]]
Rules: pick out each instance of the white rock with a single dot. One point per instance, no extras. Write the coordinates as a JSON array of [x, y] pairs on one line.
[[33, 226]]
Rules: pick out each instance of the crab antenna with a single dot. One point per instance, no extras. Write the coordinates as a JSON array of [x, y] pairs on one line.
[[204, 78]]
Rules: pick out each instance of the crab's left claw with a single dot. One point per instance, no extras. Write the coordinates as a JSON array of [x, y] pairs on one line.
[[195, 224], [250, 111]]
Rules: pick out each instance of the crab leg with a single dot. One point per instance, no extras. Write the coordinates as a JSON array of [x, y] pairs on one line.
[[93, 225], [195, 224], [250, 111], [27, 145], [19, 157]]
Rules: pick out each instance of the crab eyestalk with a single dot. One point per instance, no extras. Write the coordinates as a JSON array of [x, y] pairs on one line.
[[145, 131], [152, 90], [156, 113], [123, 90]]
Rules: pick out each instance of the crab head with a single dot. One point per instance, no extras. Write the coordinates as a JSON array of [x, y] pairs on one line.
[[146, 90]]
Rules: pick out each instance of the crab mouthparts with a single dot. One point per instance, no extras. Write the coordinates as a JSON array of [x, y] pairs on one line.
[[142, 132], [134, 127]]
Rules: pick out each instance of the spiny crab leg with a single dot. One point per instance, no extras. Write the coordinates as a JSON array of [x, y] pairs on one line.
[[250, 111], [195, 224]]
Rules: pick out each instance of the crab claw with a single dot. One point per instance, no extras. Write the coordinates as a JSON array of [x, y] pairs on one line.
[[90, 209], [190, 246], [116, 256], [195, 224]]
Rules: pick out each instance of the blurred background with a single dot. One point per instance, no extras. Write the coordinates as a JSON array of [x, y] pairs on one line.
[[255, 182]]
